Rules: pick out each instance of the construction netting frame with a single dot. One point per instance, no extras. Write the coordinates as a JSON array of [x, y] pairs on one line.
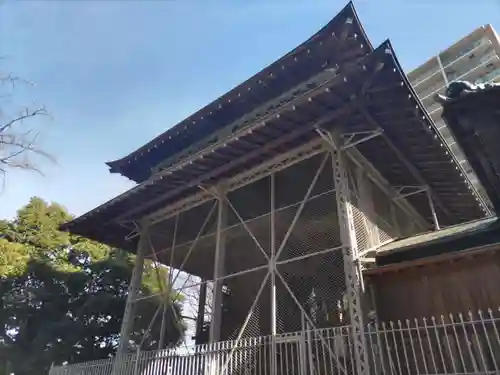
[[283, 251]]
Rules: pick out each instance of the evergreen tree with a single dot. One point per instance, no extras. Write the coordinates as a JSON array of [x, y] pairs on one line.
[[63, 296]]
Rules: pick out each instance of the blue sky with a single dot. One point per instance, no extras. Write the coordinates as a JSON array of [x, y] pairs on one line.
[[114, 74]]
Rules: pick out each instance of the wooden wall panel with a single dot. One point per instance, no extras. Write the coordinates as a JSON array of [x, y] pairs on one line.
[[432, 289]]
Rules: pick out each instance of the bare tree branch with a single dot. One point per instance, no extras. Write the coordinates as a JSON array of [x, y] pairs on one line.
[[27, 113], [12, 80], [18, 146]]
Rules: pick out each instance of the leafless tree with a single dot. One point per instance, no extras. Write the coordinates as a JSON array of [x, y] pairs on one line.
[[191, 295], [18, 141], [189, 287]]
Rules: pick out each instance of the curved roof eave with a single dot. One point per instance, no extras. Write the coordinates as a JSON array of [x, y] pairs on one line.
[[459, 167], [99, 224], [135, 160]]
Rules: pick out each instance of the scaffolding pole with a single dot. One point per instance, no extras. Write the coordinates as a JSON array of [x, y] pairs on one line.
[[220, 249], [433, 210], [200, 315], [352, 268], [134, 286], [161, 343], [272, 270]]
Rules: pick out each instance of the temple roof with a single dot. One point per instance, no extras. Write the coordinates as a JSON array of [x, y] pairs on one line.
[[372, 95], [342, 40], [462, 237]]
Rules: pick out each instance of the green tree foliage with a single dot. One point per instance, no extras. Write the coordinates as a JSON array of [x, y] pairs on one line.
[[63, 296]]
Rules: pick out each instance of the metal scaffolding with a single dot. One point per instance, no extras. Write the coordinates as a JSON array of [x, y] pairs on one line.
[[268, 212], [352, 263], [297, 249]]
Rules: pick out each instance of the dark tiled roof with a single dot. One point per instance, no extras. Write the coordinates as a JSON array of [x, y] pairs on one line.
[[372, 95], [448, 240], [439, 235], [341, 41]]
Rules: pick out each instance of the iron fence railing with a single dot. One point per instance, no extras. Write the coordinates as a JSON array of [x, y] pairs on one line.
[[447, 344]]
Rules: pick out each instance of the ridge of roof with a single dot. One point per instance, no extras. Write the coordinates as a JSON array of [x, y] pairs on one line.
[[162, 174], [194, 122], [99, 223]]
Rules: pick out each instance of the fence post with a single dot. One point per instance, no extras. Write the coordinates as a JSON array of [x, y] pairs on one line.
[[137, 357]]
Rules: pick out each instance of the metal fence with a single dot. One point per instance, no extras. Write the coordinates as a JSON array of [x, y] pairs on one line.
[[448, 344]]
